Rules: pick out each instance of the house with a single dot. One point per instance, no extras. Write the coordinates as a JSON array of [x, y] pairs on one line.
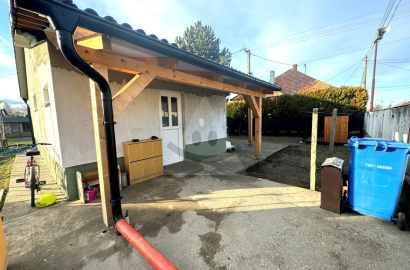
[[294, 81], [17, 127], [159, 89]]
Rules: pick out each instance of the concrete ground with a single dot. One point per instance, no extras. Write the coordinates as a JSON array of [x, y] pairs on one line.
[[208, 219]]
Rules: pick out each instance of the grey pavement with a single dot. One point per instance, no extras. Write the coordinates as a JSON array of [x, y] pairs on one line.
[[208, 219]]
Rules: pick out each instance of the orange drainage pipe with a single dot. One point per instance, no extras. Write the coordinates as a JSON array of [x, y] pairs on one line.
[[148, 251]]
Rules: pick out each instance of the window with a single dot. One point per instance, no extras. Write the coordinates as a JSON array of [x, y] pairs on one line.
[[174, 111], [46, 98], [165, 111]]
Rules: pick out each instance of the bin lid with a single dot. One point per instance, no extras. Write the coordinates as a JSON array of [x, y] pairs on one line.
[[333, 162], [381, 143]]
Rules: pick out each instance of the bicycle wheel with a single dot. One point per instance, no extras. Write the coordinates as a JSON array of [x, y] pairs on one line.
[[32, 185]]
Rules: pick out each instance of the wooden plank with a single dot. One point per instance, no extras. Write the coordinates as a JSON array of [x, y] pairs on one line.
[[343, 129], [3, 252], [235, 82], [127, 95], [258, 128], [252, 103], [100, 147], [254, 88], [96, 41], [313, 150], [24, 18], [333, 130], [250, 126], [128, 65], [51, 35], [164, 62], [205, 74], [26, 25], [31, 15], [328, 125]]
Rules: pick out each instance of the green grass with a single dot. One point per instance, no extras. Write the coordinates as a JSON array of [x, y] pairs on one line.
[[5, 170], [18, 140]]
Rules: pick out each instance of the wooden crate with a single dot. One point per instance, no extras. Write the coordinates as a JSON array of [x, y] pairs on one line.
[[342, 129]]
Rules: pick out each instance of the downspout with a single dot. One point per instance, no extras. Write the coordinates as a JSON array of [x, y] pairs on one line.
[[148, 251]]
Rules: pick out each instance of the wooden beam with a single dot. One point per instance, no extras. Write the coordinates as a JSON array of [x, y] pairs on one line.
[[252, 103], [96, 41], [254, 88], [132, 89], [31, 15], [26, 19], [51, 35], [128, 65], [164, 62], [205, 74], [258, 129], [100, 147], [26, 25], [313, 145], [250, 126], [235, 83]]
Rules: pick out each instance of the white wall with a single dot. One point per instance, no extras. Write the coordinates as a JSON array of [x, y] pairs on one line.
[[393, 124], [204, 118], [140, 119]]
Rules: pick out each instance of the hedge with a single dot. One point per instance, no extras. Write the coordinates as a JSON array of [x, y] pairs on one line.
[[346, 99]]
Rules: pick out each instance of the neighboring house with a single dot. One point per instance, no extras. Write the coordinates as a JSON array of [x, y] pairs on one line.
[[294, 81], [17, 127], [159, 89]]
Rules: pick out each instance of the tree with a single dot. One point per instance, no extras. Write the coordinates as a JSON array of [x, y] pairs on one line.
[[201, 40]]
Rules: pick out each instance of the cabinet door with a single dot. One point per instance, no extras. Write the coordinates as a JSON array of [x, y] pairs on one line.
[[140, 151], [136, 170], [156, 148], [157, 164]]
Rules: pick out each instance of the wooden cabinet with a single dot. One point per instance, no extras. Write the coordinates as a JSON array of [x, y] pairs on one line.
[[143, 160]]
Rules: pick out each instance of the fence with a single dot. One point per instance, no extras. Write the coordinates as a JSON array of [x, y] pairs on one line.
[[392, 124]]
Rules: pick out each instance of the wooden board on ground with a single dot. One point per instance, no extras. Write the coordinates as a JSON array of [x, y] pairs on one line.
[[3, 252]]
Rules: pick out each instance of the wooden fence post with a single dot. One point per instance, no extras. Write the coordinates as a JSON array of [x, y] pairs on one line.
[[250, 116], [313, 150], [333, 131]]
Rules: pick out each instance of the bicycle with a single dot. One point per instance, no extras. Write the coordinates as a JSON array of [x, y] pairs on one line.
[[32, 172]]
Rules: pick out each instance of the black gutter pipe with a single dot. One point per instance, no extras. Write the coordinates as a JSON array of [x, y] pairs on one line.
[[66, 43]]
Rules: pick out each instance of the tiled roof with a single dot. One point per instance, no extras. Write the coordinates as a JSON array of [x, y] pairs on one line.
[[293, 81]]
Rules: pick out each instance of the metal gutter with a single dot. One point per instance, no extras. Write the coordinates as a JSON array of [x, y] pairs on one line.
[[89, 19]]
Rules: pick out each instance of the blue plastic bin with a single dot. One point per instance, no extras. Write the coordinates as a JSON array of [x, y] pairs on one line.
[[377, 169]]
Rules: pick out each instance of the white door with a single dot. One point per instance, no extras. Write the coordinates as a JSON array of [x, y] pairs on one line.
[[171, 127]]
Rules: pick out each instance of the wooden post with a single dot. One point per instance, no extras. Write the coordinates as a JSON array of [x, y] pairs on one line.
[[250, 116], [333, 131], [258, 128], [100, 146], [313, 150]]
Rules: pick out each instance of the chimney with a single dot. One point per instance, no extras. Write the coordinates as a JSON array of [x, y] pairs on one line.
[[295, 67], [272, 77]]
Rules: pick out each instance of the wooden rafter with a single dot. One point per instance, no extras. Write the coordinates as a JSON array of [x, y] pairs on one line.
[[96, 41], [31, 15], [23, 18], [254, 88], [205, 74], [164, 62], [26, 25], [253, 104], [235, 82], [128, 65], [127, 94]]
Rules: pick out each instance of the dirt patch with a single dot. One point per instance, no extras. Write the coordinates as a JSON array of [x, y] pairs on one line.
[[292, 165]]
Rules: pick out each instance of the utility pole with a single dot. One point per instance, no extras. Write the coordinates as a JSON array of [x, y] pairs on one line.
[[250, 114], [248, 52], [381, 32], [365, 72]]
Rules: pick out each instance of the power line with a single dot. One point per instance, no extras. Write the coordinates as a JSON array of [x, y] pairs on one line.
[[394, 13], [358, 65], [280, 63], [393, 66], [344, 71], [394, 86]]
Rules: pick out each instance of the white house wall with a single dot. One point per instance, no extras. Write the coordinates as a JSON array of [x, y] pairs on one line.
[[205, 118]]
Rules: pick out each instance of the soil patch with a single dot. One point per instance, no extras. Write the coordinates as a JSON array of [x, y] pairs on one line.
[[292, 165]]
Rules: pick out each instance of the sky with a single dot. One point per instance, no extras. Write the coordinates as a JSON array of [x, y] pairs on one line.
[[330, 37]]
